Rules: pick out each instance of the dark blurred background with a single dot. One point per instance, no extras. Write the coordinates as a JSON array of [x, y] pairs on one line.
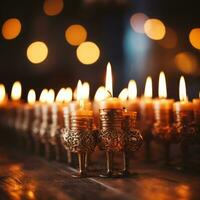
[[132, 55]]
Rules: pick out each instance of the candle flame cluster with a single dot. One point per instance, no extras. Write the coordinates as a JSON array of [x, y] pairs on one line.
[[82, 91]]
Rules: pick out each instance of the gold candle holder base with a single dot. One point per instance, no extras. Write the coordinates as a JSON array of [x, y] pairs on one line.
[[111, 137], [185, 127], [80, 139], [133, 140]]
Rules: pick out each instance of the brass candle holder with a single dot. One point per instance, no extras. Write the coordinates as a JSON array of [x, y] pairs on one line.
[[163, 126], [44, 132], [196, 108], [36, 128], [54, 131], [145, 125], [185, 128], [79, 138], [133, 139], [111, 136], [27, 126]]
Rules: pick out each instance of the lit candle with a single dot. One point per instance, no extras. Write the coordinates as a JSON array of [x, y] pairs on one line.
[[183, 121], [146, 104], [82, 98], [3, 104], [101, 94], [163, 107], [133, 102], [60, 120], [3, 96], [111, 102], [183, 107], [111, 135], [28, 117], [16, 104], [196, 108], [38, 120], [79, 137]]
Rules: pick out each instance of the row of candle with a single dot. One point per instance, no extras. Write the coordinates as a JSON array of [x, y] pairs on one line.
[[145, 105], [156, 114]]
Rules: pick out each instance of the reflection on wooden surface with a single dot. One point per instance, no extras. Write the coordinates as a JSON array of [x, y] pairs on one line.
[[30, 178]]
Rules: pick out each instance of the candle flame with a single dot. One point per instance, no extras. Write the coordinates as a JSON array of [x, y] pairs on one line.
[[101, 94], [86, 91], [16, 91], [132, 89], [60, 96], [109, 86], [43, 96], [79, 91], [123, 95], [50, 96], [182, 90], [68, 95], [75, 93], [162, 87], [80, 94], [148, 91], [31, 98], [2, 93]]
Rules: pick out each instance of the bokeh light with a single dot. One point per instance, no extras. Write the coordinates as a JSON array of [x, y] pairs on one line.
[[11, 28], [53, 7], [137, 22], [37, 52], [88, 53], [75, 34], [170, 40], [186, 62], [154, 29], [194, 38]]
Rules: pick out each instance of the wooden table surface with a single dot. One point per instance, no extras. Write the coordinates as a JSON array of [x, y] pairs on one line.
[[29, 177]]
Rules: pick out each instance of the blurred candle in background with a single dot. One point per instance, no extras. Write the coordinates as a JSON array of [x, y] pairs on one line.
[[183, 106], [100, 95], [163, 107], [196, 105], [146, 103], [133, 101]]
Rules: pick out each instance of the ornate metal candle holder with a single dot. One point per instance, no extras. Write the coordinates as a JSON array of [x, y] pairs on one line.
[[79, 138], [36, 128], [185, 128], [64, 130], [145, 126], [111, 136], [27, 125], [54, 131], [196, 105], [163, 130], [133, 139], [44, 132]]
